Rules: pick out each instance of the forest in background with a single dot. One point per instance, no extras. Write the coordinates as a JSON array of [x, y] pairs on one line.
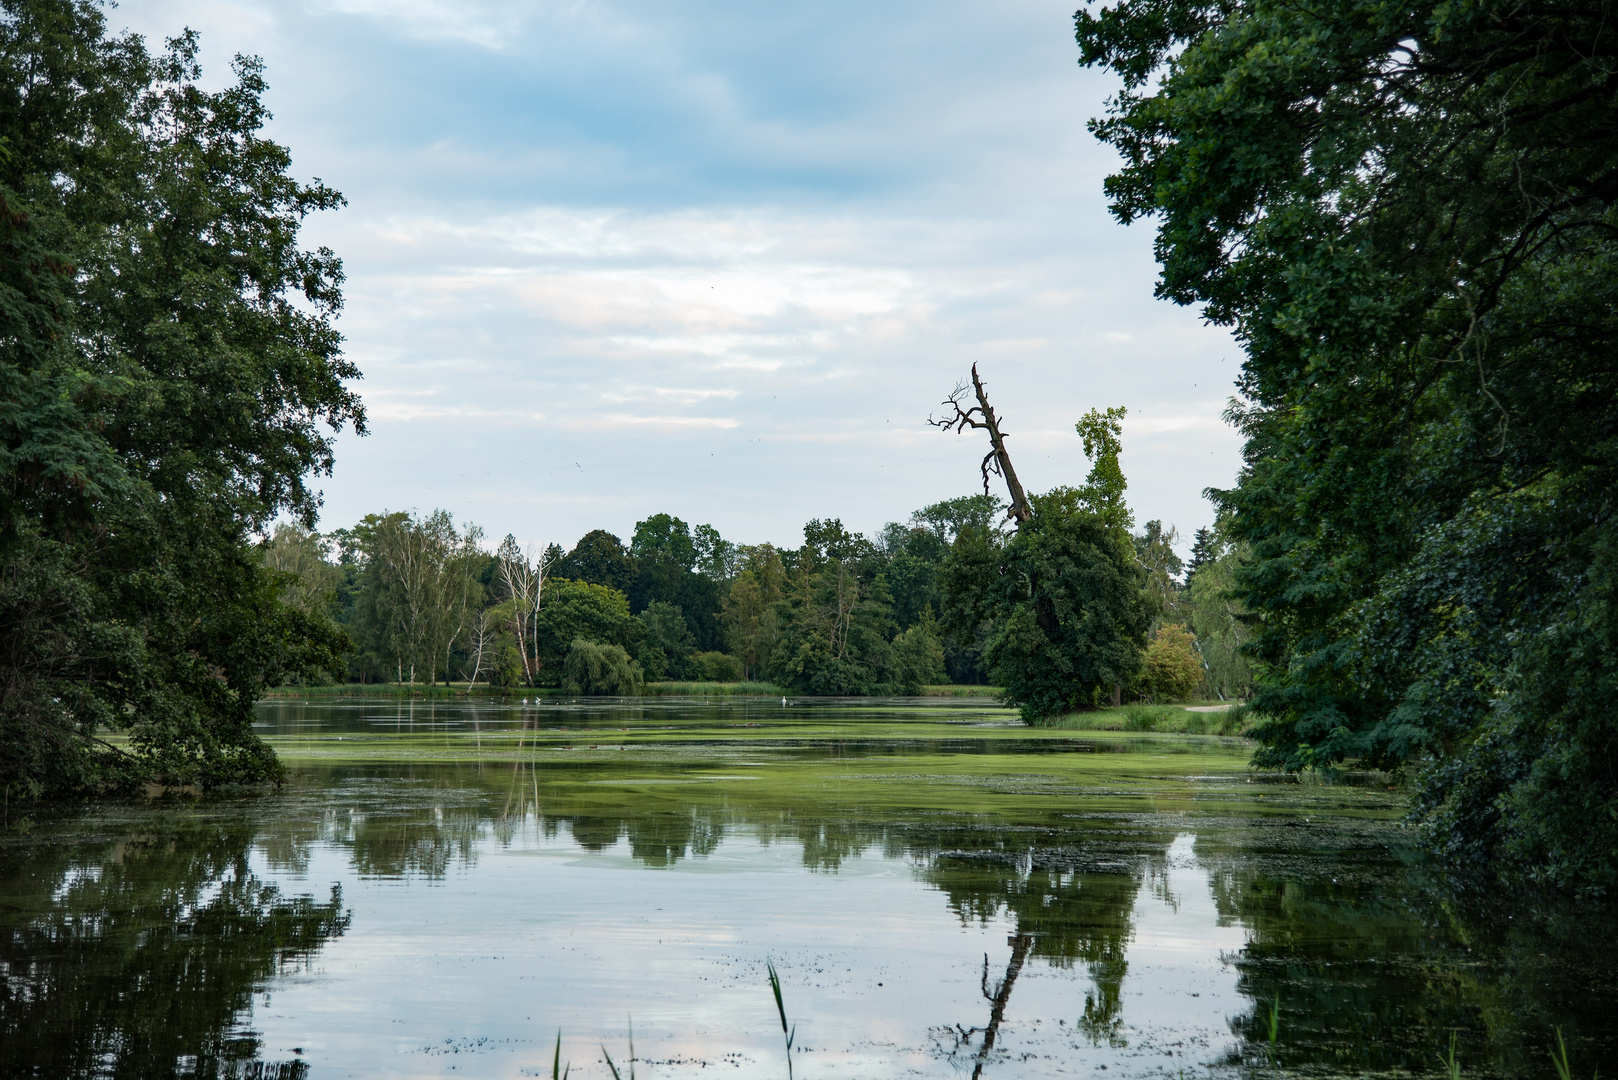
[[423, 599]]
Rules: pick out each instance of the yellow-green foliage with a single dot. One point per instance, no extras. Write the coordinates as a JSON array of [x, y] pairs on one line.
[[716, 667], [1171, 669], [1163, 719]]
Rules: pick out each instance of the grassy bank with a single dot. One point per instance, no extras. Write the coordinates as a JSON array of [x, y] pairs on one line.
[[1168, 719], [714, 689], [460, 689], [399, 690], [655, 689], [952, 690]]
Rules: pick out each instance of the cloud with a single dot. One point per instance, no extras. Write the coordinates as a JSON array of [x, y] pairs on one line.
[[721, 260]]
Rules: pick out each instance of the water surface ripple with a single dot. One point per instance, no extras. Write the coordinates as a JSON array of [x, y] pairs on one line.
[[442, 887]]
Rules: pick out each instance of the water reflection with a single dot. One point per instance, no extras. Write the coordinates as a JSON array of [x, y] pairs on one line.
[[139, 953], [495, 903]]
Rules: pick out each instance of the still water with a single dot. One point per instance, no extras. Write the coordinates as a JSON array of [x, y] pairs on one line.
[[442, 888]]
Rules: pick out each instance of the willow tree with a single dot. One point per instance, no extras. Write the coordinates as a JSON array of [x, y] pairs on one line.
[[1406, 213]]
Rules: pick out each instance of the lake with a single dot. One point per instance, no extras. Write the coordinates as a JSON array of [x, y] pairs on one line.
[[443, 887]]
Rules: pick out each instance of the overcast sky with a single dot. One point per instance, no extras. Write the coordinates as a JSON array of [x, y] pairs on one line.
[[720, 260]]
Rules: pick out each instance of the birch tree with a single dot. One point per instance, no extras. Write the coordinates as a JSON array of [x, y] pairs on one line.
[[520, 574]]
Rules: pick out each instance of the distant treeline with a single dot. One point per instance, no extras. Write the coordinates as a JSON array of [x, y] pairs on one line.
[[424, 600]]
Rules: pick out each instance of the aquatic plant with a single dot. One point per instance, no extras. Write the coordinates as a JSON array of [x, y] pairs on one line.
[[612, 1067], [780, 1007], [711, 689], [558, 1071], [1451, 1063], [1559, 1058]]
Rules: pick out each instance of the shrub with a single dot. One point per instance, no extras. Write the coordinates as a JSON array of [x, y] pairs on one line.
[[1172, 668], [1154, 718], [717, 667], [591, 669]]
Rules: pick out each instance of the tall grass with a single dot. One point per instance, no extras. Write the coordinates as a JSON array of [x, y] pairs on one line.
[[961, 690], [1168, 719], [714, 689], [387, 689], [1451, 1063], [460, 689], [614, 1068]]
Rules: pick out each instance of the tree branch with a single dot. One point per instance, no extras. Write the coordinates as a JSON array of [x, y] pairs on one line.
[[997, 460]]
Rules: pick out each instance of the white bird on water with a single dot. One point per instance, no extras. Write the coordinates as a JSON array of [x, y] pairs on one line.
[[783, 702]]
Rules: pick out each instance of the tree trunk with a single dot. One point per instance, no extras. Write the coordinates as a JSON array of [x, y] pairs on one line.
[[1020, 944], [1019, 501]]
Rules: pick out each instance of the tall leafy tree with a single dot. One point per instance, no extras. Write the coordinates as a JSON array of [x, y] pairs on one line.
[[1406, 214], [751, 615], [1068, 593], [599, 558], [665, 558], [170, 381]]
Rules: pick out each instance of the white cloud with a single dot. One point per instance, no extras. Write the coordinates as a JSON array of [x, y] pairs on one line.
[[622, 257]]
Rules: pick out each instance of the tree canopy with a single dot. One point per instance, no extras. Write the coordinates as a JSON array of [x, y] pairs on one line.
[[1406, 214], [170, 380]]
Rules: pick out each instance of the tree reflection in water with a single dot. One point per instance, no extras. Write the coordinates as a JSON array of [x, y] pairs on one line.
[[139, 955], [1069, 905]]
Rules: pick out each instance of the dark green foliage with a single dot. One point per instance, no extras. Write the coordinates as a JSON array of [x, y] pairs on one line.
[[915, 556], [598, 558], [1202, 553], [967, 613], [505, 669], [592, 669], [1059, 605], [716, 557], [836, 630], [1406, 213], [918, 657], [664, 559], [1071, 617], [573, 610], [968, 513], [172, 908], [170, 377], [669, 644]]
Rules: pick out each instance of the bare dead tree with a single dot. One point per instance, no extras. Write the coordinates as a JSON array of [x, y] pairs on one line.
[[481, 641], [1001, 994], [997, 460], [998, 996]]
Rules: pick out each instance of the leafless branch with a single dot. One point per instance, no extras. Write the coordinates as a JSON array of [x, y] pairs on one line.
[[998, 460]]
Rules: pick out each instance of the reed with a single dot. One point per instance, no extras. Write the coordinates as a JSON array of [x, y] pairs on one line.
[[714, 689], [1162, 719], [558, 1071], [780, 1007], [1451, 1063], [954, 690], [613, 1068], [1275, 1027], [1564, 1071]]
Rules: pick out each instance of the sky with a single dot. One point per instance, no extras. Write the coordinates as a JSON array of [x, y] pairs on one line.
[[718, 259]]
